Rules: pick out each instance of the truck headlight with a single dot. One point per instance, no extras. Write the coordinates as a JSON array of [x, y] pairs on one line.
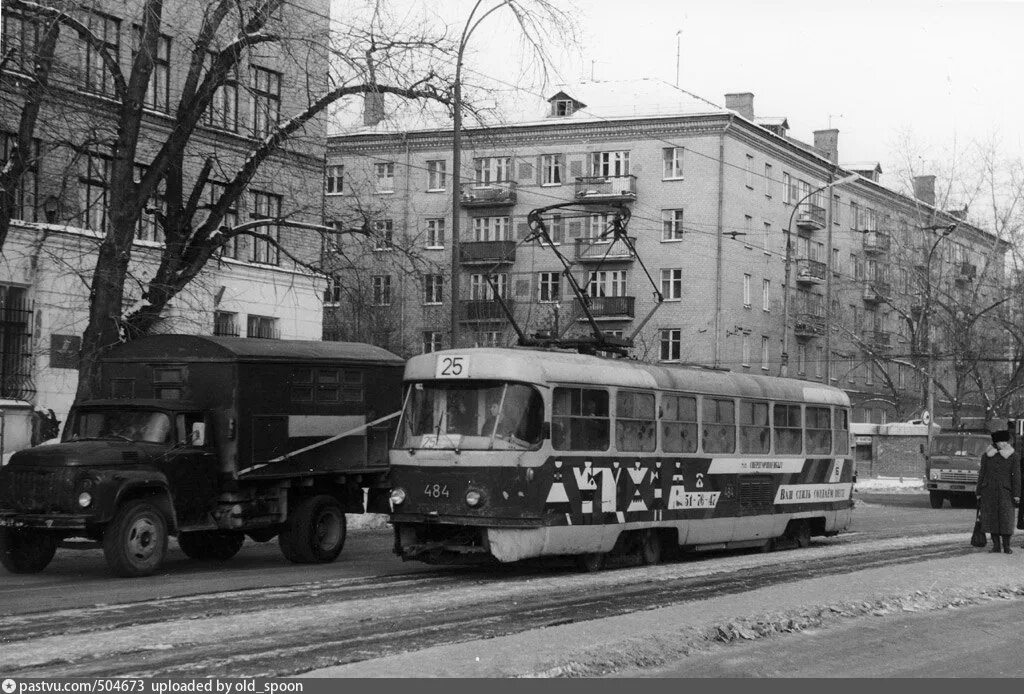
[[933, 474], [85, 499], [397, 496]]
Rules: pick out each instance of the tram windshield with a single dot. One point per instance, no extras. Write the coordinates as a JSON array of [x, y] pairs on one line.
[[960, 444], [471, 415]]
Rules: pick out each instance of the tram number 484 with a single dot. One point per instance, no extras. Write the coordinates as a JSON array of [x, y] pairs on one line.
[[436, 491]]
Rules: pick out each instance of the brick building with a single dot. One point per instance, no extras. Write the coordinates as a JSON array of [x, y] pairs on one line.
[[712, 192], [251, 289]]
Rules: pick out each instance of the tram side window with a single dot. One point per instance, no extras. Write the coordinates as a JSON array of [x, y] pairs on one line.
[[719, 420], [634, 421], [787, 429], [579, 420], [679, 423], [841, 431], [819, 430], [755, 437]]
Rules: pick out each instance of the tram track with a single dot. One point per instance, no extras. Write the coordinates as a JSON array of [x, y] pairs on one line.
[[437, 609]]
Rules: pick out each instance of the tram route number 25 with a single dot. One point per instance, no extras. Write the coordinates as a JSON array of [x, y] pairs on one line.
[[452, 366], [436, 491]]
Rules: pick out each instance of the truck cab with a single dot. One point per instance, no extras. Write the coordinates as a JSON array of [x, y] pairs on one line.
[[951, 467]]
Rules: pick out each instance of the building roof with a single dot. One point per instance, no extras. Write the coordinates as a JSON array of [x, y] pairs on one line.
[[213, 348]]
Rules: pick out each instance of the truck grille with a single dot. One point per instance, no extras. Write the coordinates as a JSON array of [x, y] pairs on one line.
[[36, 490], [958, 476]]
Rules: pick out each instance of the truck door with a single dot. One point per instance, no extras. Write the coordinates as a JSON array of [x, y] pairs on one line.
[[192, 470]]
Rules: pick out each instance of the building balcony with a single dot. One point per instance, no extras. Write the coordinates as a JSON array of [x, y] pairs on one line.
[[594, 251], [876, 242], [487, 252], [610, 307], [481, 195], [807, 325], [877, 340], [605, 189], [479, 310], [810, 217], [875, 291], [810, 271]]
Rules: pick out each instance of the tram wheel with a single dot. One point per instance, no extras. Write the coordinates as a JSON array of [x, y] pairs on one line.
[[589, 563], [650, 547], [803, 533]]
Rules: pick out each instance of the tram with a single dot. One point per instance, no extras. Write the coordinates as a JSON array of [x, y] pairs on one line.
[[506, 454]]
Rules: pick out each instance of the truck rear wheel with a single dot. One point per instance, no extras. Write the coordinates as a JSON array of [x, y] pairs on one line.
[[216, 545], [135, 542], [26, 551], [315, 533]]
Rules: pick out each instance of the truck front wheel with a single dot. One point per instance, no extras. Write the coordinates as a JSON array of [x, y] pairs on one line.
[[26, 551], [935, 499], [215, 545], [315, 532], [135, 542]]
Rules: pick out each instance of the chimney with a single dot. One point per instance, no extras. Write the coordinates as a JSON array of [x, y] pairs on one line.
[[924, 189], [827, 141], [742, 104], [373, 108]]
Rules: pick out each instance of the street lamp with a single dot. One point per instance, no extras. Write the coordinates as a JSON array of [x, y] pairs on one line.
[[784, 368], [926, 328], [467, 31]]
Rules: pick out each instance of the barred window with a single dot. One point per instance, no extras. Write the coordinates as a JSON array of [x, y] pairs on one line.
[[15, 355]]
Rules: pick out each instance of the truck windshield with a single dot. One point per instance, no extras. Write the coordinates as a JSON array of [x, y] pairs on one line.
[[130, 425], [480, 415], [960, 444]]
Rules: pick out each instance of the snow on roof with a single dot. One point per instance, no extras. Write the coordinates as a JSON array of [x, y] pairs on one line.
[[863, 166], [772, 120]]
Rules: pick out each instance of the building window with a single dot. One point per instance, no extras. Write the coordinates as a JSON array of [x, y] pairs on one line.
[[746, 351], [261, 326], [432, 289], [787, 190], [748, 226], [381, 290], [766, 238], [266, 100], [223, 111], [148, 227], [854, 214], [768, 180], [480, 289], [607, 283], [492, 228], [158, 91], [230, 219], [488, 338], [492, 170], [332, 292], [671, 344], [556, 229], [27, 190], [435, 233], [383, 234], [819, 362], [384, 172], [766, 295], [764, 353], [671, 225], [92, 187], [549, 287], [749, 173], [801, 358], [335, 181], [562, 107], [437, 174], [836, 210], [225, 324], [599, 226], [552, 168], [266, 250], [672, 284], [20, 42], [609, 163], [108, 30], [672, 159], [431, 341], [746, 291], [15, 344]]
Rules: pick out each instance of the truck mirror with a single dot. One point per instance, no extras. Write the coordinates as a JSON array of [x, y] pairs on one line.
[[197, 437]]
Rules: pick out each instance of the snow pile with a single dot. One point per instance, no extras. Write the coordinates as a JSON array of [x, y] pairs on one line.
[[889, 485]]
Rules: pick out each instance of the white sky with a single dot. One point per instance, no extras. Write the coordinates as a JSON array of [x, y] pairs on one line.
[[947, 72]]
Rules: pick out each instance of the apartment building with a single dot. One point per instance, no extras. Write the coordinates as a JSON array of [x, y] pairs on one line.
[[252, 288], [714, 195]]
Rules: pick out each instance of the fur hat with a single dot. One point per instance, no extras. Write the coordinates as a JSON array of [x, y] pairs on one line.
[[1000, 435]]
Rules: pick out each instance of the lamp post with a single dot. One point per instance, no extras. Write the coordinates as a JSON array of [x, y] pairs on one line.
[[467, 31], [926, 328], [784, 367]]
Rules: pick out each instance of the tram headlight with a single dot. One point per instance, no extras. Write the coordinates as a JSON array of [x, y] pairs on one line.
[[397, 496], [84, 499], [474, 498]]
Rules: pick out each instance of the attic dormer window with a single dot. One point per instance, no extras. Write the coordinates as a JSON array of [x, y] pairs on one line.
[[562, 107]]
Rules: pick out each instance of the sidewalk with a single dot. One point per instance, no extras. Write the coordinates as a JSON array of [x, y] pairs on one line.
[[656, 636]]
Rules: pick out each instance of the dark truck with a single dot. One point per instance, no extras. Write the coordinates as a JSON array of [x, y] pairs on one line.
[[209, 439]]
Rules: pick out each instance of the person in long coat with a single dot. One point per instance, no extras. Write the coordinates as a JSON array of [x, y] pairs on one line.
[[998, 490]]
